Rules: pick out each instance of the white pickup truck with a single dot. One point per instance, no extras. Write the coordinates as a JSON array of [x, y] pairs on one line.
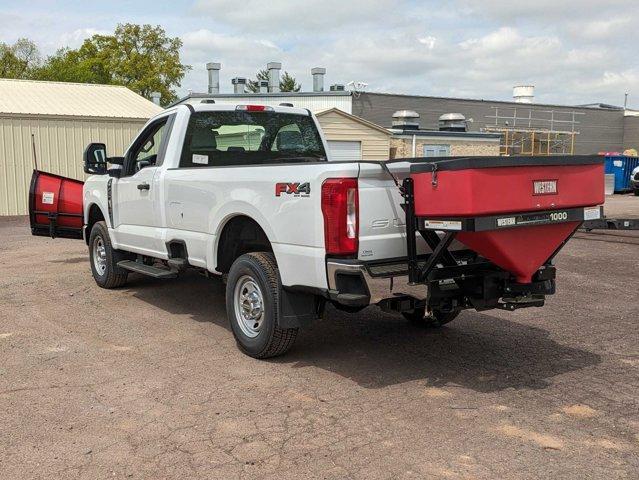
[[248, 192]]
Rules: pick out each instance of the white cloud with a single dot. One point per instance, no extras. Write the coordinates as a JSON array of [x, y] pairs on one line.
[[548, 11], [75, 38], [574, 51], [280, 16]]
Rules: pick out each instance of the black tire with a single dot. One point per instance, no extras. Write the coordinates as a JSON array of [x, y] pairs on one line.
[[269, 339], [636, 192], [112, 276], [435, 319]]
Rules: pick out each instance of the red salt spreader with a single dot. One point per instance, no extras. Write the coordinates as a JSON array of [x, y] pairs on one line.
[[513, 214]]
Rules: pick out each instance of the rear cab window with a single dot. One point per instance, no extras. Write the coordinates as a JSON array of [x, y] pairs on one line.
[[222, 138]]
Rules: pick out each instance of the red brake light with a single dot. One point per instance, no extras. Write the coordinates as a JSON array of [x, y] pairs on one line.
[[340, 206], [254, 108]]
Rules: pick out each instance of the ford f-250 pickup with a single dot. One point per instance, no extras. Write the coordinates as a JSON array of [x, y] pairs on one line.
[[248, 192]]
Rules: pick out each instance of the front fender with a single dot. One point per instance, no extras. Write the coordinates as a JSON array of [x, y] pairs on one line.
[[96, 192]]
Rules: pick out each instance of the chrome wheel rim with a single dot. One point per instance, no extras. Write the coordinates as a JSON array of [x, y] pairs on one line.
[[249, 306], [99, 255]]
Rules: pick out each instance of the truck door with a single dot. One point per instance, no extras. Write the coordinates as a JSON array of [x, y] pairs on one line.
[[136, 194]]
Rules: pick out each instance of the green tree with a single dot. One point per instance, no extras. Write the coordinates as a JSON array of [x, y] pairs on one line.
[[289, 84], [80, 66], [140, 57], [19, 60]]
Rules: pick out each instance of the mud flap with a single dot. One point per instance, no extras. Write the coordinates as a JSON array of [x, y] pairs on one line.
[[298, 309]]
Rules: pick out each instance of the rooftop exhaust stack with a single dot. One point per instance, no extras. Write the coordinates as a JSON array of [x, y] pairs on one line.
[[274, 76], [406, 120], [263, 84], [214, 77], [452, 122], [318, 78], [155, 97], [239, 84], [524, 93]]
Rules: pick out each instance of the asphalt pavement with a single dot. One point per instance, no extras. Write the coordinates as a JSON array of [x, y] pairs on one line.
[[146, 381]]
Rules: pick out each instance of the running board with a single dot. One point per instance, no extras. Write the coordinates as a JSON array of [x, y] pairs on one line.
[[149, 270]]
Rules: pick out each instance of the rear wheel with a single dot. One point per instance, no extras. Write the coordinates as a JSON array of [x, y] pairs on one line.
[[433, 319], [104, 258], [252, 305]]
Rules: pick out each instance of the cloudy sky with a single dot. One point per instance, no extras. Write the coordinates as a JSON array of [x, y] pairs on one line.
[[573, 51]]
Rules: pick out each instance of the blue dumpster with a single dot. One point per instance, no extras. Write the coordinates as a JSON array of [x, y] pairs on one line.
[[621, 166]]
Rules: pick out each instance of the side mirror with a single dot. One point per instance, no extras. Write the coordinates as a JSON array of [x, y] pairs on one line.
[[95, 159]]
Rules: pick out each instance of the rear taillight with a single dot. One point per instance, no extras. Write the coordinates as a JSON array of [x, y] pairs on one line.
[[340, 206]]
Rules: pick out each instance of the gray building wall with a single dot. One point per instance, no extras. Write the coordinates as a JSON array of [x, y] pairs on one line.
[[600, 129], [631, 132]]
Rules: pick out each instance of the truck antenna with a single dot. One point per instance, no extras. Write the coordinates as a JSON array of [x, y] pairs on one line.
[[35, 157]]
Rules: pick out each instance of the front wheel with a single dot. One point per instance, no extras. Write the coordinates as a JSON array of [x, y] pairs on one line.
[[252, 305], [104, 258], [433, 319]]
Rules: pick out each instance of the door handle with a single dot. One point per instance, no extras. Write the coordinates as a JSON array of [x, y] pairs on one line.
[[143, 186]]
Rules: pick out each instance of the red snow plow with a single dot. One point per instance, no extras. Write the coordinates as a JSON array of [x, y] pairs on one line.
[[513, 213], [55, 206]]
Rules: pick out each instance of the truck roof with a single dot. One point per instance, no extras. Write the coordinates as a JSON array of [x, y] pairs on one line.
[[229, 107]]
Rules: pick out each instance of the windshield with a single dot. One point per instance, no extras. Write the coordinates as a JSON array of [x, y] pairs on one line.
[[248, 138]]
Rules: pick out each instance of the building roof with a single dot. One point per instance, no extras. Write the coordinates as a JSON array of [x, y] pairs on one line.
[[593, 106], [355, 118], [31, 97]]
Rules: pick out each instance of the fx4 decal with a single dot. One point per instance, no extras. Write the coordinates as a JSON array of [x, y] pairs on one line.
[[297, 189]]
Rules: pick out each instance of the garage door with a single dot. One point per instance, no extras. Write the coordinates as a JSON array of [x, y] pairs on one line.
[[345, 151]]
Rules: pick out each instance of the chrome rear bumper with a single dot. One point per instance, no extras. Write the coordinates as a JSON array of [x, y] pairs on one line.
[[379, 282]]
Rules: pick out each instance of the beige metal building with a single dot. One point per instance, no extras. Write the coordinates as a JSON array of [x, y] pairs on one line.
[[351, 138], [63, 118]]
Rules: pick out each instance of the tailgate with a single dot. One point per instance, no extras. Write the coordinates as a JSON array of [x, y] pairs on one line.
[[382, 232]]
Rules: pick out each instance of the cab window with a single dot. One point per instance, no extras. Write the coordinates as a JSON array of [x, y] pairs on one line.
[[148, 148], [221, 138]]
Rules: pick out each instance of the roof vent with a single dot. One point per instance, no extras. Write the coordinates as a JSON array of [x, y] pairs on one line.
[[273, 76], [213, 69], [452, 122], [406, 120], [318, 78], [524, 93], [286, 104], [239, 85], [337, 87]]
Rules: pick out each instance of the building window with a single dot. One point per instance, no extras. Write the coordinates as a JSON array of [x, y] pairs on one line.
[[436, 150]]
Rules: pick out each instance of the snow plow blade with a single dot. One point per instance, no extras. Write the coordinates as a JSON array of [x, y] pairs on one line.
[[55, 206]]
